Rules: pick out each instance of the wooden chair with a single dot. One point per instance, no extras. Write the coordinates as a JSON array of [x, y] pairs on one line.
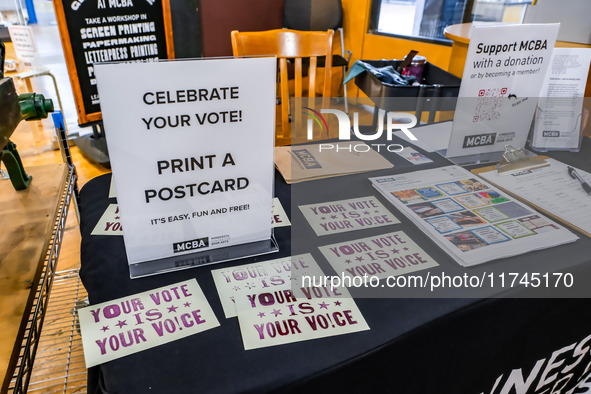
[[293, 45]]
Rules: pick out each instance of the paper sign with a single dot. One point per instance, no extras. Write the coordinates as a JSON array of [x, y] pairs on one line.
[[384, 255], [557, 124], [109, 223], [413, 156], [191, 148], [280, 218], [278, 316], [266, 275], [347, 215], [504, 70], [128, 325], [24, 45]]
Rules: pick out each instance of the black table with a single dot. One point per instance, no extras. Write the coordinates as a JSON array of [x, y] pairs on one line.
[[415, 345]]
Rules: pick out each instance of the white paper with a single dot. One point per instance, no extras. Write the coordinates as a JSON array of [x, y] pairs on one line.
[[381, 256], [281, 316], [24, 45], [109, 223], [558, 118], [268, 275], [347, 215], [191, 147], [431, 137], [414, 157], [135, 323], [112, 191], [504, 70], [473, 221], [280, 218], [552, 190]]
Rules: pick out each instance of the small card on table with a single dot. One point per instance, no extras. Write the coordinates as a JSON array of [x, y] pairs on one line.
[[131, 324]]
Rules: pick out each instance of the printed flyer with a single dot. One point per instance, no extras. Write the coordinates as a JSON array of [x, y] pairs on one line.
[[505, 67], [277, 317], [557, 124], [128, 325], [347, 215], [381, 256], [470, 219], [265, 275]]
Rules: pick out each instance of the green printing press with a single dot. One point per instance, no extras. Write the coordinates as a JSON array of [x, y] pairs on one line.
[[15, 107]]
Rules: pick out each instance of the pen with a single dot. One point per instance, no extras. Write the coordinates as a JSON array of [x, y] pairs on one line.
[[575, 175]]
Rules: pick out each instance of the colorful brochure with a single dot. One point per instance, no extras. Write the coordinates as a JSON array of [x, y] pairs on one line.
[[471, 220]]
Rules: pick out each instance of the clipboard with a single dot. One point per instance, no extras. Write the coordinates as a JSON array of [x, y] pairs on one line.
[[553, 215]]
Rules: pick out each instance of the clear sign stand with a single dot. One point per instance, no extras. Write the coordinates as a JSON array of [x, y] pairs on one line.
[[176, 263], [468, 160], [204, 194]]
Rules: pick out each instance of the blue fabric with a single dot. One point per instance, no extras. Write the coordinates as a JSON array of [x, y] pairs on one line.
[[385, 74]]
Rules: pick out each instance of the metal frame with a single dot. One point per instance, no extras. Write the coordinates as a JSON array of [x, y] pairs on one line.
[[22, 373]]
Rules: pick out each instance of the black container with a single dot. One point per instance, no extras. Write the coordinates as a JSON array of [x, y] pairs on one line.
[[438, 90]]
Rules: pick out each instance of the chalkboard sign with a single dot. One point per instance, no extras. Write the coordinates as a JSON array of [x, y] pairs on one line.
[[97, 31]]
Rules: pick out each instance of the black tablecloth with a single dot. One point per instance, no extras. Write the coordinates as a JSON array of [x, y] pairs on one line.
[[415, 345]]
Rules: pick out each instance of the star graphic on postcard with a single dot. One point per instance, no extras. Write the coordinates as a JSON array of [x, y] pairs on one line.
[[367, 213], [187, 304], [172, 309], [323, 305], [121, 323], [105, 328], [333, 216], [276, 312], [406, 249], [348, 261], [261, 314], [395, 251], [338, 303], [359, 258]]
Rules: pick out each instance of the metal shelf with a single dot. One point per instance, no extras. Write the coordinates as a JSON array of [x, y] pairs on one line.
[[22, 372]]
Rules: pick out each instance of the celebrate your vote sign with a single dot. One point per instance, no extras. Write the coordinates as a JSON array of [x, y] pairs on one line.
[[191, 148]]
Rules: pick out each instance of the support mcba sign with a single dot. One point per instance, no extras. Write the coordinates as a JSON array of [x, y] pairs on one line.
[[191, 148]]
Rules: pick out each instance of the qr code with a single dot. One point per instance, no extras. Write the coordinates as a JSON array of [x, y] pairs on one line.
[[488, 106]]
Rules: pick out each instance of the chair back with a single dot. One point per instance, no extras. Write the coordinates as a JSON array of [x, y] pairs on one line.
[[296, 46]]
